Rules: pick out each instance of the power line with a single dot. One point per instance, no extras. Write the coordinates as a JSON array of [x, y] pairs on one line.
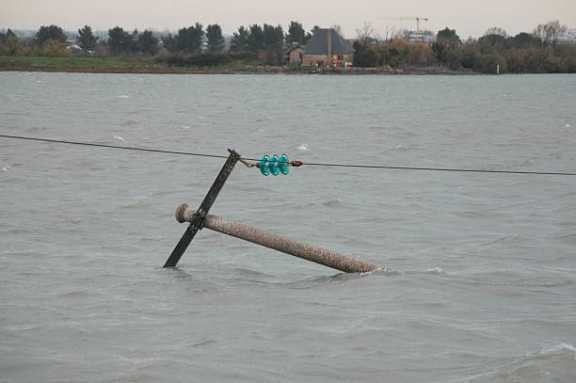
[[133, 148], [431, 169], [322, 164]]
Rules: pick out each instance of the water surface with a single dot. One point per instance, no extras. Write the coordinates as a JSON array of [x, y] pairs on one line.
[[480, 280]]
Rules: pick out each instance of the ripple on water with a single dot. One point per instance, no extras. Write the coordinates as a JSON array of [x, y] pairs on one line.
[[553, 364], [482, 265]]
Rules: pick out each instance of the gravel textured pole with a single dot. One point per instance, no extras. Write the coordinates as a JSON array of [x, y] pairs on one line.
[[184, 213]]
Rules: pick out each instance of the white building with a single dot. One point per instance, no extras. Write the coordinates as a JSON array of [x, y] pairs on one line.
[[427, 37], [569, 36]]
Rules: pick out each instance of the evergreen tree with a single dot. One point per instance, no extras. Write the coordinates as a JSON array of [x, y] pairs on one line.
[[448, 37], [273, 38], [296, 34], [189, 40], [447, 48], [215, 38], [170, 43], [255, 38], [119, 41], [51, 32], [240, 41], [147, 43], [86, 39]]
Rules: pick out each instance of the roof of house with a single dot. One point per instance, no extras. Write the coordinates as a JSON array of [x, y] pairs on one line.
[[318, 44]]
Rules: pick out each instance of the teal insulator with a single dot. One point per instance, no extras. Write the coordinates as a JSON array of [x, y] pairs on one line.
[[284, 164], [274, 168], [264, 165]]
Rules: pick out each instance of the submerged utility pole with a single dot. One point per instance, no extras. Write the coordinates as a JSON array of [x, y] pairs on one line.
[[200, 218], [325, 257]]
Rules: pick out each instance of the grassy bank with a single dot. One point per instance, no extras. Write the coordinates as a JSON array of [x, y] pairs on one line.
[[85, 64], [124, 64], [117, 64]]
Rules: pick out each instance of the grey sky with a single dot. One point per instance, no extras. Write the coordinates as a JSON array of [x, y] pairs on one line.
[[469, 18]]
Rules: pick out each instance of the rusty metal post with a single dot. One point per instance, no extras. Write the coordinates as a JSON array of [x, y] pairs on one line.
[[197, 220], [184, 213]]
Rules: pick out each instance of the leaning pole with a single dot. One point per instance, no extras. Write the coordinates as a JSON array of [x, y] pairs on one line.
[[185, 213]]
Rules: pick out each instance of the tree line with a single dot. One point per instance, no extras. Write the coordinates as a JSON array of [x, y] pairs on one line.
[[266, 41], [538, 51]]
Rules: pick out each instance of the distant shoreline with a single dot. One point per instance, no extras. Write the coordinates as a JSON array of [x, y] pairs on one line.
[[256, 71], [228, 72], [140, 66]]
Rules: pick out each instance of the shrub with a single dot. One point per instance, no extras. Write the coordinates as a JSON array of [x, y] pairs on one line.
[[203, 60], [54, 48]]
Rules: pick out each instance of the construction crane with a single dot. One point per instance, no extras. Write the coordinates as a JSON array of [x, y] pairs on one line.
[[418, 22], [417, 18]]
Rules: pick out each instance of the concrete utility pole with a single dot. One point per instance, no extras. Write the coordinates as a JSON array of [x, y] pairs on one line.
[[329, 258], [200, 218]]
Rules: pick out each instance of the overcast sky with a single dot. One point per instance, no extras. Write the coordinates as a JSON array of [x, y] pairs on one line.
[[469, 18]]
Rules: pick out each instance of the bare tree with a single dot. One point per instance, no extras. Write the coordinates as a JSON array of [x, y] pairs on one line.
[[496, 31], [365, 35], [550, 32]]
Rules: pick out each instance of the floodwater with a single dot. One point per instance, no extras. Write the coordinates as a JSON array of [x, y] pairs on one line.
[[480, 269]]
